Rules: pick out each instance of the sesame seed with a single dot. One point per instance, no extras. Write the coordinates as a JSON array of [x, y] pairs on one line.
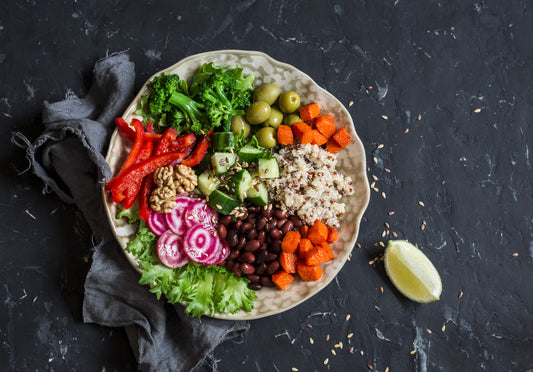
[[370, 366], [339, 345], [351, 350], [219, 206], [460, 294], [350, 335], [309, 325], [428, 331], [478, 110], [350, 104], [443, 327], [375, 178], [381, 289], [391, 213], [383, 195], [348, 317], [422, 227], [421, 203], [380, 146], [419, 117], [375, 189], [515, 254], [370, 87], [327, 337], [394, 234], [358, 245], [412, 352], [375, 160], [372, 185], [384, 234], [294, 369], [382, 244], [387, 170], [333, 352], [386, 225], [326, 361], [387, 369], [311, 341], [384, 117], [406, 130]]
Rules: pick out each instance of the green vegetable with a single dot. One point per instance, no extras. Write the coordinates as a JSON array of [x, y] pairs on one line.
[[203, 289], [131, 214]]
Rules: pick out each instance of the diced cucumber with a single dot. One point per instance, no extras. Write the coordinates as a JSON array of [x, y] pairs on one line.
[[250, 154], [258, 194], [223, 141], [222, 161], [207, 183], [222, 202], [268, 168], [240, 183]]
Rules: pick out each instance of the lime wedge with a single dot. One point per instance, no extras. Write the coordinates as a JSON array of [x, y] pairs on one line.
[[411, 272]]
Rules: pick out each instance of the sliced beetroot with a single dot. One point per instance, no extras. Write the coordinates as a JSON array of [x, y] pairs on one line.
[[199, 213], [223, 252], [201, 245], [170, 250], [175, 218], [157, 222]]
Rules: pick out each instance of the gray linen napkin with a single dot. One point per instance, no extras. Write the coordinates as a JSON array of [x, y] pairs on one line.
[[69, 158]]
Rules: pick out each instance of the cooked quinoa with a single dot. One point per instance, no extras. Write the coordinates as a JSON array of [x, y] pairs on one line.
[[309, 185]]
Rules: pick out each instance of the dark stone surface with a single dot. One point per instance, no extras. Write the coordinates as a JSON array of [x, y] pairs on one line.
[[442, 60]]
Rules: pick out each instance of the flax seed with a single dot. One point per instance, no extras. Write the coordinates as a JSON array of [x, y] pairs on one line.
[[394, 234], [383, 195], [326, 361], [384, 117], [386, 225], [443, 327], [515, 254], [375, 178], [391, 213], [375, 160], [380, 146], [350, 335], [311, 341], [478, 110], [428, 331], [406, 130], [333, 352], [387, 170], [421, 203], [419, 117], [350, 104], [348, 317], [412, 352], [382, 244], [381, 289], [460, 294]]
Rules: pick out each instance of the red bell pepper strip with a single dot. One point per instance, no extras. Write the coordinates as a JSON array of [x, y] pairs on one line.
[[182, 142], [134, 152], [144, 195], [133, 190], [139, 171], [166, 139], [150, 127], [129, 133], [198, 154]]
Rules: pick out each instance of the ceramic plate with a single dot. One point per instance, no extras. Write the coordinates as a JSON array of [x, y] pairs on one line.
[[351, 162]]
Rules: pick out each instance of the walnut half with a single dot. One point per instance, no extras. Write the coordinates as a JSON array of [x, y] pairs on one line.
[[186, 179], [171, 181]]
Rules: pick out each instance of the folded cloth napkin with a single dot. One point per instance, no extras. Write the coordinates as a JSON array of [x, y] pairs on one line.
[[69, 158]]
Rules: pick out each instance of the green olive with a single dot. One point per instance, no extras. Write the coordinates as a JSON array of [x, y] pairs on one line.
[[258, 112], [291, 119], [275, 118], [266, 137], [289, 102], [239, 124], [268, 93]]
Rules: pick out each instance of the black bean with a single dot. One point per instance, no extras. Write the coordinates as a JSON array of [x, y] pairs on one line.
[[247, 269], [243, 216], [275, 233], [242, 242], [222, 231], [252, 234], [255, 286], [281, 214], [238, 224], [252, 245], [251, 218], [229, 264], [247, 257], [226, 220], [246, 226], [261, 256], [266, 281], [253, 278], [275, 246], [237, 269], [281, 222], [260, 225], [234, 254], [261, 236], [266, 212], [261, 268], [232, 238], [271, 257], [271, 224], [272, 267], [288, 226], [297, 221]]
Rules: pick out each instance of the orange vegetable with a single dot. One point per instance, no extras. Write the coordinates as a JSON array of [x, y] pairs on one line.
[[308, 137], [333, 146], [304, 247], [288, 261], [319, 139], [282, 279], [309, 272], [325, 125], [285, 136], [318, 232], [309, 112], [333, 235], [290, 242], [299, 128], [342, 137], [319, 254], [303, 231]]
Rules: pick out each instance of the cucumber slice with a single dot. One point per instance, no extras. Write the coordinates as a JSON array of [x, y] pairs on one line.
[[223, 141], [222, 161], [222, 202], [207, 183], [268, 168], [250, 154], [258, 194], [240, 183]]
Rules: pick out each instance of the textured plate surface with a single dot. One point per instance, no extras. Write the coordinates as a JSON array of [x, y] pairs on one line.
[[351, 162]]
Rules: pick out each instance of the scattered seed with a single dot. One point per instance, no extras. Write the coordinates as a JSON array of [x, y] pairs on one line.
[[406, 130], [375, 189], [380, 146], [419, 117], [391, 213], [381, 289], [327, 337], [311, 341], [370, 87], [443, 327], [29, 214], [333, 352], [394, 234], [375, 178], [515, 254], [372, 185], [421, 203], [384, 234], [422, 227], [460, 294], [386, 225], [294, 369], [383, 195], [348, 317], [412, 352], [350, 104], [387, 170], [375, 160], [358, 245], [384, 117], [350, 335], [326, 361], [428, 331], [370, 366], [351, 350], [478, 110], [387, 369], [382, 244], [309, 325]]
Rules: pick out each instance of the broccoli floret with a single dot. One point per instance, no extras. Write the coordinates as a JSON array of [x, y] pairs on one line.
[[188, 115], [162, 88]]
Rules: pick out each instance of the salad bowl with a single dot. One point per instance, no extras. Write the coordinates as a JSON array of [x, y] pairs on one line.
[[351, 161]]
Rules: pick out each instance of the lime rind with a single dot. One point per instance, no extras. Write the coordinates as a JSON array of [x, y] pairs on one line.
[[411, 272]]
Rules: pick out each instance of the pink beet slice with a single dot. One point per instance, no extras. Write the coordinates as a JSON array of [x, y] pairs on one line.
[[170, 250]]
